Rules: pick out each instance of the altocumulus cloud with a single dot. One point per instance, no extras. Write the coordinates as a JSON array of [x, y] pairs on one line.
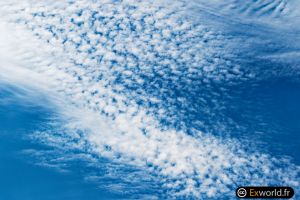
[[131, 69]]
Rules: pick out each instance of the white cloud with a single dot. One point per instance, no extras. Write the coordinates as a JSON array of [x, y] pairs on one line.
[[106, 91]]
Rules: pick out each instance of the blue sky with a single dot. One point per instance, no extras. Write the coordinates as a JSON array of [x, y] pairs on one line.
[[188, 99]]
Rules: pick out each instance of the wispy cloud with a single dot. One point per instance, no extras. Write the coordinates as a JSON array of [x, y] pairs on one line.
[[119, 69]]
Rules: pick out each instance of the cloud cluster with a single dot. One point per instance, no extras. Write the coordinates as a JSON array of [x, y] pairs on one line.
[[142, 74]]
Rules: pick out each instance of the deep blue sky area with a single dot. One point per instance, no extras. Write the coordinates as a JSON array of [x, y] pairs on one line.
[[21, 178], [270, 110]]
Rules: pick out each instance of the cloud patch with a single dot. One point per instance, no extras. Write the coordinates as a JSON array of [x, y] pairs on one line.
[[125, 73]]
